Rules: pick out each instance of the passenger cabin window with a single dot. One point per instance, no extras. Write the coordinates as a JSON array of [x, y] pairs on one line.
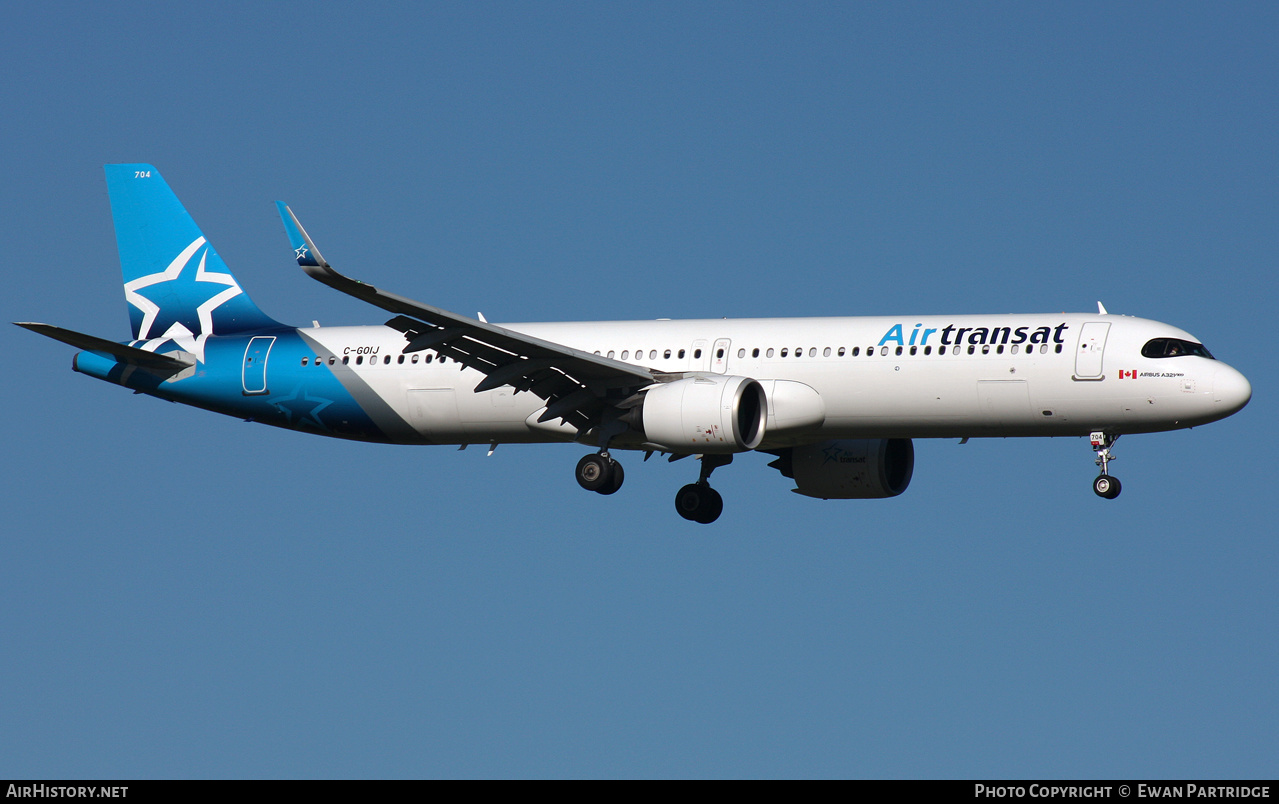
[[1174, 347]]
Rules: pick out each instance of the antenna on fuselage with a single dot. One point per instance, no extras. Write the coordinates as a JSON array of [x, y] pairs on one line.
[[1101, 309]]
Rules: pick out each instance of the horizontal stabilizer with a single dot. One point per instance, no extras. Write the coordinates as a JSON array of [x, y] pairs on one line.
[[163, 364]]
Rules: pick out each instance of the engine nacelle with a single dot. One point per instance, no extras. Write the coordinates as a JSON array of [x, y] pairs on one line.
[[850, 469], [706, 413]]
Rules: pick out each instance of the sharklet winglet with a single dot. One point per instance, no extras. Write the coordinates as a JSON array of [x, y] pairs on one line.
[[304, 250]]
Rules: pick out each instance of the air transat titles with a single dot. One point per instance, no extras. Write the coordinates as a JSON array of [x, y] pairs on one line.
[[975, 335]]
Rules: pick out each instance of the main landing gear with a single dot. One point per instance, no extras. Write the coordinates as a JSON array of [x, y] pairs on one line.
[[1105, 485], [599, 473], [698, 502]]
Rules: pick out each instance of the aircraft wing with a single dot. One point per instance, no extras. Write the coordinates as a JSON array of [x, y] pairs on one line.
[[577, 386], [156, 363]]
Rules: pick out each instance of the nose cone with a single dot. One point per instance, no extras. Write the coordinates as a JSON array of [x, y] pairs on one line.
[[1230, 390]]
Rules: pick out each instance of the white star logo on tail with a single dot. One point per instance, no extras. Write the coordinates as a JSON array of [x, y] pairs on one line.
[[177, 332]]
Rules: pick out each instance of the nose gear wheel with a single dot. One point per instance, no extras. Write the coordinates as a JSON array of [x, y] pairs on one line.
[[1104, 486]]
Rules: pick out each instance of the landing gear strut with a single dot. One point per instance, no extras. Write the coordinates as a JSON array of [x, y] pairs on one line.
[[698, 502], [1105, 485], [599, 473]]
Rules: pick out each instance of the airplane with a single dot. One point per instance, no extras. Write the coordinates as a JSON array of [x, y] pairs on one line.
[[836, 401]]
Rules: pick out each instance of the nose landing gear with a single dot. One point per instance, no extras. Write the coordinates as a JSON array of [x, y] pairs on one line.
[[1105, 485]]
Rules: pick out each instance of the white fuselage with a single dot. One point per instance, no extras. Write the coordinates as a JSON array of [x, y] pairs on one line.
[[872, 377]]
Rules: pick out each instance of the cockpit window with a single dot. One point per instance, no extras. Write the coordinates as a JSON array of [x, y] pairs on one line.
[[1173, 347]]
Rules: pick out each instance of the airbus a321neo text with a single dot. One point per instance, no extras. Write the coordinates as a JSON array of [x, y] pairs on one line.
[[835, 400]]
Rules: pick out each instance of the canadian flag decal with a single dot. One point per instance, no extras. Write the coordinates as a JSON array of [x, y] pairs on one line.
[[1124, 374]]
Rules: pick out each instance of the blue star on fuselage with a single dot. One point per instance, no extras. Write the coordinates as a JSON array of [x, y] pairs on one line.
[[300, 408]]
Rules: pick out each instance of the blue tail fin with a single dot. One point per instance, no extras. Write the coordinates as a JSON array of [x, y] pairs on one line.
[[177, 286]]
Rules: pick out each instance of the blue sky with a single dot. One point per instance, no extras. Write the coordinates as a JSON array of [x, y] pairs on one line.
[[187, 595]]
